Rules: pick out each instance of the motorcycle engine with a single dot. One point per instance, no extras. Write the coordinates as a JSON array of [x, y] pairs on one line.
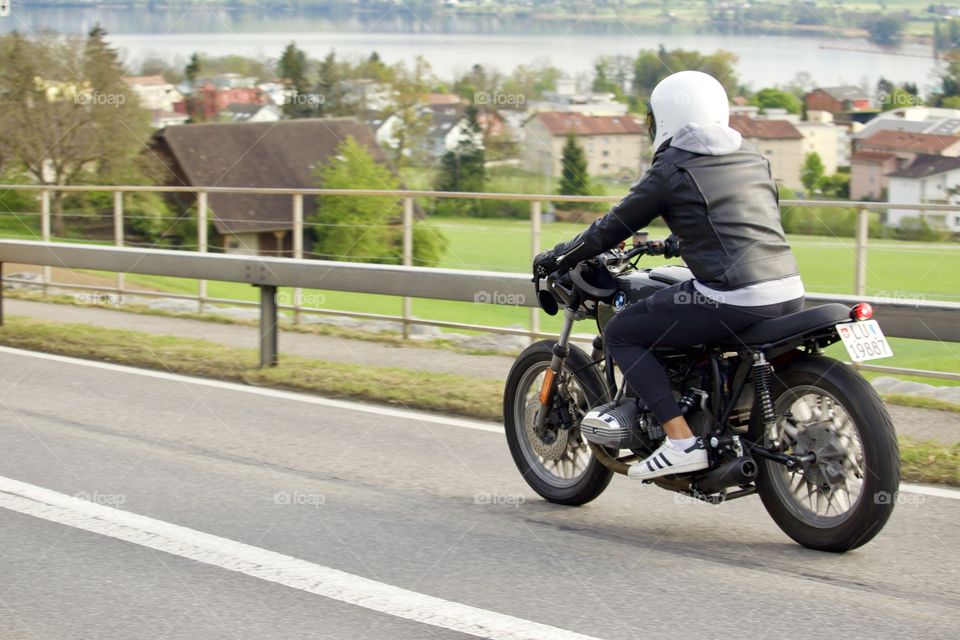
[[622, 426]]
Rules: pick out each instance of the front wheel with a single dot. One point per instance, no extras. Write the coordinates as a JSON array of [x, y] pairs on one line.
[[557, 463], [843, 499]]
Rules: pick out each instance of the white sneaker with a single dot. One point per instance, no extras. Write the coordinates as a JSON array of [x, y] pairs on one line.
[[667, 461]]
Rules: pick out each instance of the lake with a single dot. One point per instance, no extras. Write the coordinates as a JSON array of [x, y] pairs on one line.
[[454, 43]]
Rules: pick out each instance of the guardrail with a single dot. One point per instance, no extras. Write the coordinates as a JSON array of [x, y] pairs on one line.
[[907, 319], [901, 317]]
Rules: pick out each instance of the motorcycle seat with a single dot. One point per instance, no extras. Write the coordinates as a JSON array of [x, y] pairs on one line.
[[777, 329]]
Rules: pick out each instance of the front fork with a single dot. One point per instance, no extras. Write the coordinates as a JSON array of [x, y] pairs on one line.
[[560, 352]]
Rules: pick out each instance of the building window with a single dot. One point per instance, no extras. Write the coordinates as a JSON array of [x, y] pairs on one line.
[[956, 221], [768, 152], [607, 153]]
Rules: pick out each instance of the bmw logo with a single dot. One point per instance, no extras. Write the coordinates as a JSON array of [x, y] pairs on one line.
[[619, 301]]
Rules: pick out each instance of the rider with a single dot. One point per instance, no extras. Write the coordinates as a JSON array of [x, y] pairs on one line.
[[716, 194]]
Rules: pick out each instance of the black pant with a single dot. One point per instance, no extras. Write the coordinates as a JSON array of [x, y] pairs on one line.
[[678, 316]]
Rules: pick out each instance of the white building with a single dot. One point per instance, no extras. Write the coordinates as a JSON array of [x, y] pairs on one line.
[[928, 179], [154, 92], [932, 120], [237, 112], [566, 99]]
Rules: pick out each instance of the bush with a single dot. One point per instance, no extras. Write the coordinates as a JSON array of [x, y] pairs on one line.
[[917, 228]]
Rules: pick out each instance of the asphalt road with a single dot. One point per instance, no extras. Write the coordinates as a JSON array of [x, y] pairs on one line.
[[429, 510]]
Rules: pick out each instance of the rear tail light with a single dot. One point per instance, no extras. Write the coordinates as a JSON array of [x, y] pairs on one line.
[[861, 311]]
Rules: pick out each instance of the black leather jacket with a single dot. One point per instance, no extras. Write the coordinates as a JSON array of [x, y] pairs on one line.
[[724, 209]]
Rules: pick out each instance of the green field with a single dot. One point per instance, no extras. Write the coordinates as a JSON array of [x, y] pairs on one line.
[[895, 269]]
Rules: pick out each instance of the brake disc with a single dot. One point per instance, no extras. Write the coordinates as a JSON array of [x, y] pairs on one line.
[[552, 443]]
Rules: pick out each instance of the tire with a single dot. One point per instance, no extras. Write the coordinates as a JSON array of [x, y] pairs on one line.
[[876, 455], [595, 477]]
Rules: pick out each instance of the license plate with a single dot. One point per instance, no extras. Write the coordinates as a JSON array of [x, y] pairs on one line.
[[864, 340]]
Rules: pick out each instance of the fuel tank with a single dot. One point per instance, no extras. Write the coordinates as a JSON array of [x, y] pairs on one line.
[[637, 285]]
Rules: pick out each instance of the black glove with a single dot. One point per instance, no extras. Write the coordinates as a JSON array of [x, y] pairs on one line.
[[671, 247], [544, 264]]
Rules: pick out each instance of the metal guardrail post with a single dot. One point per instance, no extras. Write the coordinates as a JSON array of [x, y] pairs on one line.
[[407, 260], [118, 235], [297, 250], [45, 232], [536, 218], [201, 244], [863, 238], [268, 326]]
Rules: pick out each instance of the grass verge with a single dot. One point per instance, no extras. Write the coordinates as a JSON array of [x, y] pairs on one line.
[[923, 461], [442, 392]]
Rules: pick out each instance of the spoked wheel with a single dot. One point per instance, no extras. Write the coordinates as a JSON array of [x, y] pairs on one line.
[[823, 492], [555, 461], [843, 498]]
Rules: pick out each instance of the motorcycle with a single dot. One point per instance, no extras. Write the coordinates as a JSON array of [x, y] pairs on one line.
[[779, 418]]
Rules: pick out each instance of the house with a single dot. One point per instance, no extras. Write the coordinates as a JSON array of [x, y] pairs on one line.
[[364, 94], [837, 100], [160, 118], [613, 144], [444, 98], [235, 112], [890, 150], [154, 92], [868, 174], [209, 99], [281, 154], [780, 142], [932, 120], [447, 123], [928, 179], [567, 98]]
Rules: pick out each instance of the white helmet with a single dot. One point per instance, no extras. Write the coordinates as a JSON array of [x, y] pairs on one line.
[[682, 98]]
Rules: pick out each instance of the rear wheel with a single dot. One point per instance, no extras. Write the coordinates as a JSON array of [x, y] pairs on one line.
[[844, 498], [557, 463]]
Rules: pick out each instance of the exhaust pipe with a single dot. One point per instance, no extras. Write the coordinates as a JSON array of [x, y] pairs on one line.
[[740, 471]]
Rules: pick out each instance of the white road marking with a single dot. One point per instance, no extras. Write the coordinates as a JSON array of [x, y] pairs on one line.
[[270, 566], [404, 414], [929, 490]]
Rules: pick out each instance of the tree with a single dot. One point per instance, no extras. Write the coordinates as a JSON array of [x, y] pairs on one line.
[[812, 172], [192, 70], [365, 228], [777, 99], [888, 30], [650, 67], [462, 169], [410, 91], [574, 180], [532, 81], [66, 116], [292, 69]]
